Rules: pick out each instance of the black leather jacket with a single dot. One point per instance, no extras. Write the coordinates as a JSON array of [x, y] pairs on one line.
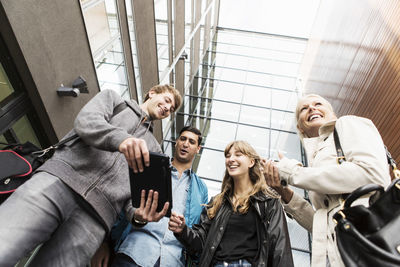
[[272, 233]]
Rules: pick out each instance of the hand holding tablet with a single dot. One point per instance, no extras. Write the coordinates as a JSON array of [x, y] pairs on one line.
[[156, 181]]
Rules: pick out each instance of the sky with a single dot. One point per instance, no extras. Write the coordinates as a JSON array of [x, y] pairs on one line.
[[285, 17]]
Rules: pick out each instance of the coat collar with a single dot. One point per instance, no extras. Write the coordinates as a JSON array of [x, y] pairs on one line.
[[141, 114], [311, 144]]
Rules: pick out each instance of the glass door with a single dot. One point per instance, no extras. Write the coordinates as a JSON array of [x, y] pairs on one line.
[[18, 119]]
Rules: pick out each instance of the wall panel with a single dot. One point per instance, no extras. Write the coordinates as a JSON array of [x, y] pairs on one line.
[[353, 59]]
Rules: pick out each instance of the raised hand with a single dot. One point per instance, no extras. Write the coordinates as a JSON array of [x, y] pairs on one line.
[[271, 174], [147, 210], [176, 223], [136, 152]]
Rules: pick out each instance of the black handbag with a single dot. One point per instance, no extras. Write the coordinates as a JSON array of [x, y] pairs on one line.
[[19, 161], [370, 236]]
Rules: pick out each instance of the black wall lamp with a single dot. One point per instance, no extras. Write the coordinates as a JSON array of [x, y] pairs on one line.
[[78, 86]]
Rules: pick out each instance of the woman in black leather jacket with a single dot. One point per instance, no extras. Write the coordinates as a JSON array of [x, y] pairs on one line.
[[244, 224]]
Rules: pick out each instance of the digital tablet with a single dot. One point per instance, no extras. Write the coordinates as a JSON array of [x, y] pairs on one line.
[[156, 177]]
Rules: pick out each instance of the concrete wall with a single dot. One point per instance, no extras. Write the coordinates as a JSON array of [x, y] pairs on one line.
[[52, 40]]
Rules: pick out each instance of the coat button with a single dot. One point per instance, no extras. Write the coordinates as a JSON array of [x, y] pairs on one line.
[[212, 248], [326, 202], [221, 228]]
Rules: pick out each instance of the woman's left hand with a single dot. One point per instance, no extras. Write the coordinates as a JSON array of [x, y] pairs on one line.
[[176, 223], [271, 174]]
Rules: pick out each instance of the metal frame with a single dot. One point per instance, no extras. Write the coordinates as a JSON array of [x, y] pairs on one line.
[[127, 47]]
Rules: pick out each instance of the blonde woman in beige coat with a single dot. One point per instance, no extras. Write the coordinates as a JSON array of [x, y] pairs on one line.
[[324, 178]]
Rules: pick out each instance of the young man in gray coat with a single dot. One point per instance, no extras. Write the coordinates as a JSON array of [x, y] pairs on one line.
[[71, 203]]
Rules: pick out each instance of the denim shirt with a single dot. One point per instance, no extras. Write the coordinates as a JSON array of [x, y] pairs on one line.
[[145, 245]]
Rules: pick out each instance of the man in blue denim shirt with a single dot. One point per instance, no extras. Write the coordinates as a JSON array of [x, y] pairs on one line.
[[149, 245]]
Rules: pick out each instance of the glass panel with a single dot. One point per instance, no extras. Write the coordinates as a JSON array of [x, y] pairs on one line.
[[284, 100], [230, 75], [97, 24], [3, 140], [233, 61], [101, 20], [258, 138], [283, 121], [134, 49], [24, 131], [214, 188], [211, 165], [255, 116], [288, 144], [219, 59], [298, 235], [259, 79], [258, 96], [120, 89], [219, 134], [6, 88], [229, 91], [225, 111], [161, 15], [284, 83], [301, 259]]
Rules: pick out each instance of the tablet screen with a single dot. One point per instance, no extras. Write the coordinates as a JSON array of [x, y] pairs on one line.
[[156, 177]]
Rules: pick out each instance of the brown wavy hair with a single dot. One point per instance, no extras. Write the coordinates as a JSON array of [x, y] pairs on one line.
[[256, 178]]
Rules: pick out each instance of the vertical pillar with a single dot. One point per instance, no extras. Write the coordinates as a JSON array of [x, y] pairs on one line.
[[146, 42]]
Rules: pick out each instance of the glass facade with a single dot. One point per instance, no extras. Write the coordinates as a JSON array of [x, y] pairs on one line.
[[245, 89]]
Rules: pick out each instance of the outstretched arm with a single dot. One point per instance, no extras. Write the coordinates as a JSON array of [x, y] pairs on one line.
[[295, 205], [93, 125], [365, 161], [93, 122]]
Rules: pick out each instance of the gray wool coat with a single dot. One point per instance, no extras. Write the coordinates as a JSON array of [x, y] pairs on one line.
[[91, 165]]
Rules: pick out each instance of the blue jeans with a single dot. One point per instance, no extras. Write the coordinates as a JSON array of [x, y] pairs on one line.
[[237, 263], [44, 210]]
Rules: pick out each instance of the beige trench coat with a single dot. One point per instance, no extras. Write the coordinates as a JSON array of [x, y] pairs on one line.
[[326, 180]]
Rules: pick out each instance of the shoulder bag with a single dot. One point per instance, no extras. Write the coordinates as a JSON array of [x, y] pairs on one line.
[[370, 236]]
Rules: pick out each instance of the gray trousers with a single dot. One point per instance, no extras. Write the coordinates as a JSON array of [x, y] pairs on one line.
[[44, 210]]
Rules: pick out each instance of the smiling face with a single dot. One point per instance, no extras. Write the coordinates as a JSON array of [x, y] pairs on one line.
[[237, 164], [186, 147], [312, 112], [160, 105]]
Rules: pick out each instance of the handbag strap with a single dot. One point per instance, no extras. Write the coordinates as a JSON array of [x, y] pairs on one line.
[[120, 107], [392, 163], [339, 152], [341, 158]]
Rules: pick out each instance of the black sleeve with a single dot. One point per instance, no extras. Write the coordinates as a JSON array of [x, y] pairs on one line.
[[280, 251], [193, 239]]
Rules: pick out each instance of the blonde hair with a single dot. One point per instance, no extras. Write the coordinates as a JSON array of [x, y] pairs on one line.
[[298, 109], [159, 89], [256, 178]]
